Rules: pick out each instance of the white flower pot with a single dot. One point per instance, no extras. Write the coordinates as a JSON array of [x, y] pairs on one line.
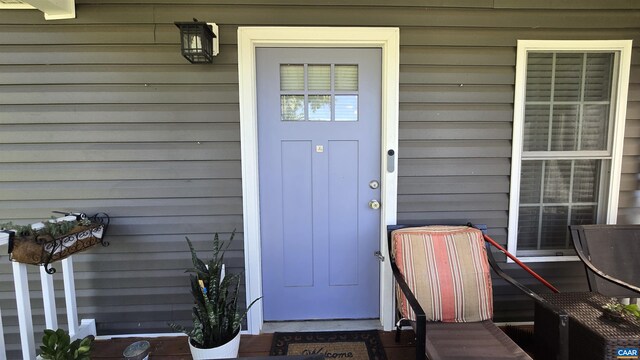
[[228, 350]]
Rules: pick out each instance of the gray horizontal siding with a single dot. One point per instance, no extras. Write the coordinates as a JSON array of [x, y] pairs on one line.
[[122, 132], [135, 170], [131, 74], [119, 94], [136, 152], [445, 112], [118, 113], [139, 189], [101, 113], [115, 54]]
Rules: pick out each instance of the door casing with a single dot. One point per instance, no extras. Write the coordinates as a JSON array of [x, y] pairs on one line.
[[249, 38]]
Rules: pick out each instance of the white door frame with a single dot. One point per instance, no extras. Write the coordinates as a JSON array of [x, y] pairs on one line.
[[387, 39]]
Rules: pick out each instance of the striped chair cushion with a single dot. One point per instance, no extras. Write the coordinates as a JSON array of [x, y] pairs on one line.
[[446, 268]]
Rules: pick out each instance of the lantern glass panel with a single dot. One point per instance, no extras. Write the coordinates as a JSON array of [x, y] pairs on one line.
[[196, 40]]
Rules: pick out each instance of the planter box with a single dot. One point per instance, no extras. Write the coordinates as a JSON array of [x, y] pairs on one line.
[[42, 249]]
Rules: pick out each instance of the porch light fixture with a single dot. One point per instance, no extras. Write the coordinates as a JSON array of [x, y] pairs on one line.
[[198, 41]]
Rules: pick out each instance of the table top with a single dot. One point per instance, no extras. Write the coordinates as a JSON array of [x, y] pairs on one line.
[[289, 357], [586, 308]]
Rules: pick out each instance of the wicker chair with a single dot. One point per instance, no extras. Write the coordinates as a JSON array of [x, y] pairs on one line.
[[610, 254], [445, 291]]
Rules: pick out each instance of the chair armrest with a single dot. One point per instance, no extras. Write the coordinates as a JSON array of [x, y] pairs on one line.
[[421, 318], [532, 294], [413, 302], [496, 268], [563, 327], [599, 272]]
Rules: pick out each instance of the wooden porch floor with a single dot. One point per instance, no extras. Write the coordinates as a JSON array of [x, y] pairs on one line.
[[176, 348]]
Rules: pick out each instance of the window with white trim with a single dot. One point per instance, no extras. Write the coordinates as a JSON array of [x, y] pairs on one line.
[[569, 113]]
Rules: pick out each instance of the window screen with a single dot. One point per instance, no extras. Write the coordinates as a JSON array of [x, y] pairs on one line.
[[565, 147]]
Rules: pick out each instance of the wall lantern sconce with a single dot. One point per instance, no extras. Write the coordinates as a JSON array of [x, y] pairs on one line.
[[198, 41]]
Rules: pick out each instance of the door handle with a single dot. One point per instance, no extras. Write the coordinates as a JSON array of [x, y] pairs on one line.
[[374, 204]]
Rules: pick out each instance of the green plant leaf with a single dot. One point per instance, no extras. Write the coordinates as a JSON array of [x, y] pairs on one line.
[[63, 337], [52, 340], [86, 341], [57, 346], [633, 309]]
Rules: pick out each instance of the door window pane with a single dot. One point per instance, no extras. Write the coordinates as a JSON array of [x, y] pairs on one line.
[[346, 107], [320, 107], [308, 94], [292, 107], [346, 77], [319, 77], [291, 77]]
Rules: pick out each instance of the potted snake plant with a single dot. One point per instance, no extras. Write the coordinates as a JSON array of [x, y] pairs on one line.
[[216, 316]]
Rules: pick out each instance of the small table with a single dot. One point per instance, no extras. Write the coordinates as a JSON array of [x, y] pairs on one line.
[[290, 357], [591, 334]]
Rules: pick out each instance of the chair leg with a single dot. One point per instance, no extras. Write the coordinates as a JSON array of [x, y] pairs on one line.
[[399, 325], [563, 337], [421, 337]]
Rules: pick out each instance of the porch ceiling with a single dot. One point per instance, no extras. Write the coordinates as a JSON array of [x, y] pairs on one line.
[[52, 9]]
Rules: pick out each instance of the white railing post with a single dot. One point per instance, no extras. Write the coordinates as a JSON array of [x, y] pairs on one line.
[[49, 300], [70, 295], [23, 300], [21, 282], [86, 326]]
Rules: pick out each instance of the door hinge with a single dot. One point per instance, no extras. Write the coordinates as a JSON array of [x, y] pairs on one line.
[[379, 255]]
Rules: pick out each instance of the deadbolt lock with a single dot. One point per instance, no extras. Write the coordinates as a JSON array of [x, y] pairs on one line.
[[374, 184]]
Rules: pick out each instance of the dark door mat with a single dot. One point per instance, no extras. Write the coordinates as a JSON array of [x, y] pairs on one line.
[[353, 345]]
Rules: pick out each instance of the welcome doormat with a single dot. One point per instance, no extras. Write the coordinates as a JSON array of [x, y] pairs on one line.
[[352, 345]]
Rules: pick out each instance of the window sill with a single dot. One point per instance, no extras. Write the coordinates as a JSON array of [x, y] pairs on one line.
[[534, 259]]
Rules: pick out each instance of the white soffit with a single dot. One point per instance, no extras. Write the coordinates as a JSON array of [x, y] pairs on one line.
[[52, 9], [14, 5]]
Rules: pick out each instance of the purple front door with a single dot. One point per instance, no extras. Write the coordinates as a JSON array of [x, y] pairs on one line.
[[319, 163]]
